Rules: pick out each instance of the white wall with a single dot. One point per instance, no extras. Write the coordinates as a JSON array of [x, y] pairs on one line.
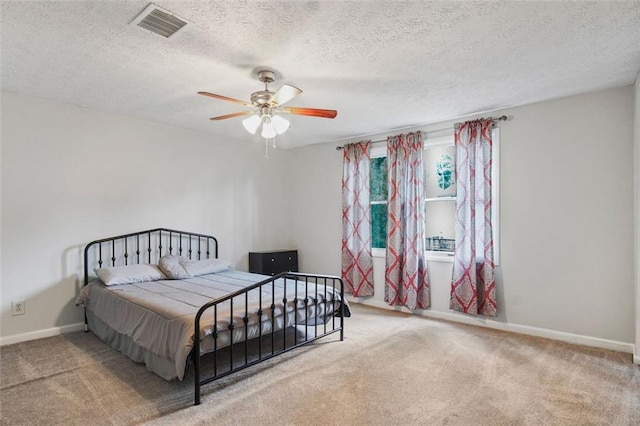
[[72, 175], [316, 229], [566, 216]]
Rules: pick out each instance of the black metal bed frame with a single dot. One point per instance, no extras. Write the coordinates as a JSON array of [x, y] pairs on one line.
[[149, 247]]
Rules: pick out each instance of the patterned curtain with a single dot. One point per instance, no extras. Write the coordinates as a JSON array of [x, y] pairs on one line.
[[357, 263], [473, 287], [405, 273]]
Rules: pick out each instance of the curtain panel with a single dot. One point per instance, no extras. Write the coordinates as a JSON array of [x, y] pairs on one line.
[[357, 263], [406, 281], [473, 287]]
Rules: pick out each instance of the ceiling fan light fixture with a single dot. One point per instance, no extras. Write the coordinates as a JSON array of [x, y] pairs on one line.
[[280, 124], [268, 129], [252, 123]]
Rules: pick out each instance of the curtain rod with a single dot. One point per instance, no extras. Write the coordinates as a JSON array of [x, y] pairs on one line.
[[501, 118]]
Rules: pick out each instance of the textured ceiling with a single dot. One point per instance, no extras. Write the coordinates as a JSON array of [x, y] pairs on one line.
[[383, 65]]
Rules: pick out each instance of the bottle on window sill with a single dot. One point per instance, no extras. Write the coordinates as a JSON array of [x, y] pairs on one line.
[[436, 243]]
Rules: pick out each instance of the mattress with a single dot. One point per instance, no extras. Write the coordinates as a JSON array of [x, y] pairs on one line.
[[157, 317]]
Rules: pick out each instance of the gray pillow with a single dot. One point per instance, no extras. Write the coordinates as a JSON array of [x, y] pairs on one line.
[[129, 274], [178, 267]]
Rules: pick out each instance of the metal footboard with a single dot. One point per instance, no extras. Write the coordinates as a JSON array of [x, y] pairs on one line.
[[314, 304]]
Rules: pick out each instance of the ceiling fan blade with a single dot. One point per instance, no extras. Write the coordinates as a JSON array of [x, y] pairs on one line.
[[224, 98], [235, 114], [314, 112], [284, 95]]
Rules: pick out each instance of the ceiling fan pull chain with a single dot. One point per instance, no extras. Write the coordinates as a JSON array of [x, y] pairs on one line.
[[266, 146]]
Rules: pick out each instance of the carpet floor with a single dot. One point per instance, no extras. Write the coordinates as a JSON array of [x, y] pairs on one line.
[[391, 369]]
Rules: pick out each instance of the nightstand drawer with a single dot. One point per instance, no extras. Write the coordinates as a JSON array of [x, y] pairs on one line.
[[273, 262]]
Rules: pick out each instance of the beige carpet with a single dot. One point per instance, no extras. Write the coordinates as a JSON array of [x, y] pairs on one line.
[[392, 369]]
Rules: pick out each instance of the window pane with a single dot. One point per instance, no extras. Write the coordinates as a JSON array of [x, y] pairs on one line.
[[378, 225], [440, 225], [379, 179], [440, 171]]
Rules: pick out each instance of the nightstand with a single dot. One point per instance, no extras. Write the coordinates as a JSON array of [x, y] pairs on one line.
[[273, 262]]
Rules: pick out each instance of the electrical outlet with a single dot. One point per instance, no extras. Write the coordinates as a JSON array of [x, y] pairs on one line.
[[17, 307]]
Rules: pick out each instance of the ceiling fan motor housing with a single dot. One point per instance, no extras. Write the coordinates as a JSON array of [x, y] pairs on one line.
[[262, 97]]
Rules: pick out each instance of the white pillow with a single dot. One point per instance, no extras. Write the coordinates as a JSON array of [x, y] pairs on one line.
[[178, 267], [174, 267], [208, 266], [130, 274]]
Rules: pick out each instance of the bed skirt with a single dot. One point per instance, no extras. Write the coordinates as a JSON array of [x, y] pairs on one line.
[[163, 367]]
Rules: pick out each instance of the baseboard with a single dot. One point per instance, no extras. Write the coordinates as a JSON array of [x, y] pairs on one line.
[[577, 339], [39, 334]]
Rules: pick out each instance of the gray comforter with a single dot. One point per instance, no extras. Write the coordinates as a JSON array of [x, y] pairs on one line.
[[159, 315]]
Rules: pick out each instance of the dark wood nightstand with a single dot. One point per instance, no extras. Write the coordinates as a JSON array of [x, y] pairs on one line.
[[273, 262]]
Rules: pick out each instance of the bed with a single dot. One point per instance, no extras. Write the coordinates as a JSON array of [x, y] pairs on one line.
[[147, 293]]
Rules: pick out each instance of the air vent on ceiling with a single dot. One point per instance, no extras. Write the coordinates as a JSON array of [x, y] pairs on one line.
[[159, 20]]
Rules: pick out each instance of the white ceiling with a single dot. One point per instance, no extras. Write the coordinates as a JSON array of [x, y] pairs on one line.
[[382, 64]]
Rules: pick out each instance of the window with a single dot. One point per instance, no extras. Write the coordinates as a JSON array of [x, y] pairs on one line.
[[440, 197], [378, 198], [440, 194]]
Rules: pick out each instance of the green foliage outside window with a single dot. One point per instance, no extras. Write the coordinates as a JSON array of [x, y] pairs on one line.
[[378, 185], [378, 179], [378, 226]]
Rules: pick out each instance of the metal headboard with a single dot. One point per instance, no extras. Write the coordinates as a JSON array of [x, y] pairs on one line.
[[147, 247]]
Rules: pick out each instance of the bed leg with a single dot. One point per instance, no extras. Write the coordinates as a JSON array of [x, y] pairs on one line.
[[196, 374]]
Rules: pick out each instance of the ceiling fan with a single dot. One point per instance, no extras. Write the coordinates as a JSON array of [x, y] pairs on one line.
[[265, 106]]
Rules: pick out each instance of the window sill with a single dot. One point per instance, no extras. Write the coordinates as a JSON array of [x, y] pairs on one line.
[[379, 252], [439, 256], [432, 256]]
